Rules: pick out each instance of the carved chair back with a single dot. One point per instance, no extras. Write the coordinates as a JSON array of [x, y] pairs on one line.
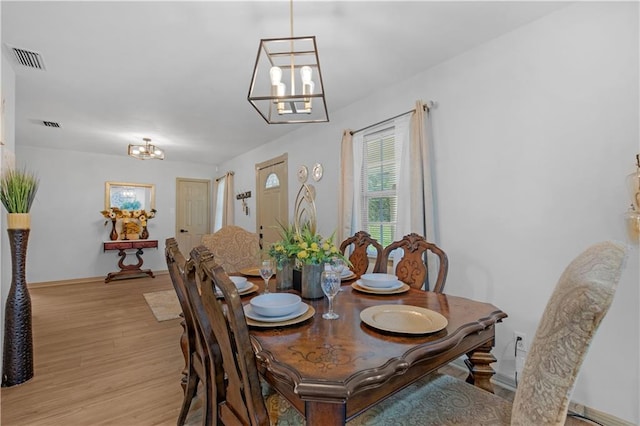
[[196, 358], [412, 268], [359, 258], [225, 328]]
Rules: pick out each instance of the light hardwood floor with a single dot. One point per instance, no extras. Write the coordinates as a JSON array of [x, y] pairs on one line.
[[101, 358]]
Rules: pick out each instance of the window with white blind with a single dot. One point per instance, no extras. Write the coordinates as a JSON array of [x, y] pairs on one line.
[[378, 184]]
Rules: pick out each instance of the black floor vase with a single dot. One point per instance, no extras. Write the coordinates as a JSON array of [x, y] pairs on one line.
[[17, 363]]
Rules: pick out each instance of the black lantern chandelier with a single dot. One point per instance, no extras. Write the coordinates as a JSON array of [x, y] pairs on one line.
[[286, 86]]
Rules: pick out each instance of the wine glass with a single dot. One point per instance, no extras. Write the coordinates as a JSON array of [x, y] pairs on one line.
[[338, 265], [330, 282], [266, 272]]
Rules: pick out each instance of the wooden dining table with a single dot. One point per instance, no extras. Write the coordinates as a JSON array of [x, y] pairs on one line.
[[332, 370]]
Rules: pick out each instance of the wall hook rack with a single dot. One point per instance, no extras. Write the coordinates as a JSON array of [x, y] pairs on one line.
[[243, 196]]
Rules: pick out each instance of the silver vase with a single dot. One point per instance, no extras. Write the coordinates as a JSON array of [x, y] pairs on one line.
[[310, 283], [284, 276]]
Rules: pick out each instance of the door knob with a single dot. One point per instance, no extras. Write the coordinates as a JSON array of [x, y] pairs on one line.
[[183, 230]]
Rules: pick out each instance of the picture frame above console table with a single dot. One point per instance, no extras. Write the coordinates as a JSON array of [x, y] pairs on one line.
[[129, 196]]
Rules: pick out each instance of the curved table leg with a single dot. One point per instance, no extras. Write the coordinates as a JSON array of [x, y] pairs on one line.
[[131, 269]]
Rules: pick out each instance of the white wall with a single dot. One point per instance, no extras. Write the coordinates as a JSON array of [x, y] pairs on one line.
[[8, 105], [534, 134], [67, 228]]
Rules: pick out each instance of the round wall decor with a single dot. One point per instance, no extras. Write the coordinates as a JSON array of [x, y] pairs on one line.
[[317, 172], [302, 173]]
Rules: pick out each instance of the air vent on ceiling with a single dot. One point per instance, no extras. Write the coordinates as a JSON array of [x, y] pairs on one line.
[[28, 58], [51, 124]]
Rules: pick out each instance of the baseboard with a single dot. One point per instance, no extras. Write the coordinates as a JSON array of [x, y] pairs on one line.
[[507, 382], [597, 415], [78, 281]]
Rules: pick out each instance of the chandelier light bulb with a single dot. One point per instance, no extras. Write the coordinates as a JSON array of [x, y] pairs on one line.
[[307, 87], [305, 74], [276, 75]]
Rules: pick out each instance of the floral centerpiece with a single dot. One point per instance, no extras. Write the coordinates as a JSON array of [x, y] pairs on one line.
[[309, 251], [313, 249], [284, 250], [133, 221], [306, 247]]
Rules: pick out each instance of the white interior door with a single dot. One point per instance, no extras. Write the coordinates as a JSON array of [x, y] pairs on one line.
[[272, 202], [192, 212]]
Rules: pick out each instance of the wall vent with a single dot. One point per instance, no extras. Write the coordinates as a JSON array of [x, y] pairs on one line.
[[28, 58], [51, 124]]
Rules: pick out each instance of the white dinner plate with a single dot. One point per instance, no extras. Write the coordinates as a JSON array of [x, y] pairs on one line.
[[395, 286], [246, 290], [379, 291], [249, 313], [307, 315], [347, 275], [405, 319]]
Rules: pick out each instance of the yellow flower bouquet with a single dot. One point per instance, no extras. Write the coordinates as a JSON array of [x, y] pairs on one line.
[[306, 247]]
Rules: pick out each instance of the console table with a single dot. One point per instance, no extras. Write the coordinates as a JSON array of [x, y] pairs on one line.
[[132, 270]]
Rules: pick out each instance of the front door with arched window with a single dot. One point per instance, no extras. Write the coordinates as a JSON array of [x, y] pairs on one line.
[[272, 204]]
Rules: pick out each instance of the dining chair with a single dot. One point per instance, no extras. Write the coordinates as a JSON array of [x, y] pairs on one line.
[[573, 313], [412, 267], [243, 400], [196, 358], [359, 257], [234, 247]]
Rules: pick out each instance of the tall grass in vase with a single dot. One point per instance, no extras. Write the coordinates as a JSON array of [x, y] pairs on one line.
[[17, 192]]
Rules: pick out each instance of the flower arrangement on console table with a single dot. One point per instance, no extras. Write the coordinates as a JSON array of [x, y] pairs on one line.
[[17, 192], [134, 222], [306, 252]]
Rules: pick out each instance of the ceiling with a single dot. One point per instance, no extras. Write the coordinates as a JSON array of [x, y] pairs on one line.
[[179, 72]]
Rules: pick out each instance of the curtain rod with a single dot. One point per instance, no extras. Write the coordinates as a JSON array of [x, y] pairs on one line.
[[225, 175], [426, 106]]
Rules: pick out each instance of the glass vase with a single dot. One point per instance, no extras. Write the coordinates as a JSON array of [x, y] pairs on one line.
[[284, 275]]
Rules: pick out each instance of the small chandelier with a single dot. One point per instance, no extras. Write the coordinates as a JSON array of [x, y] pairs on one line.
[[146, 151], [299, 96]]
